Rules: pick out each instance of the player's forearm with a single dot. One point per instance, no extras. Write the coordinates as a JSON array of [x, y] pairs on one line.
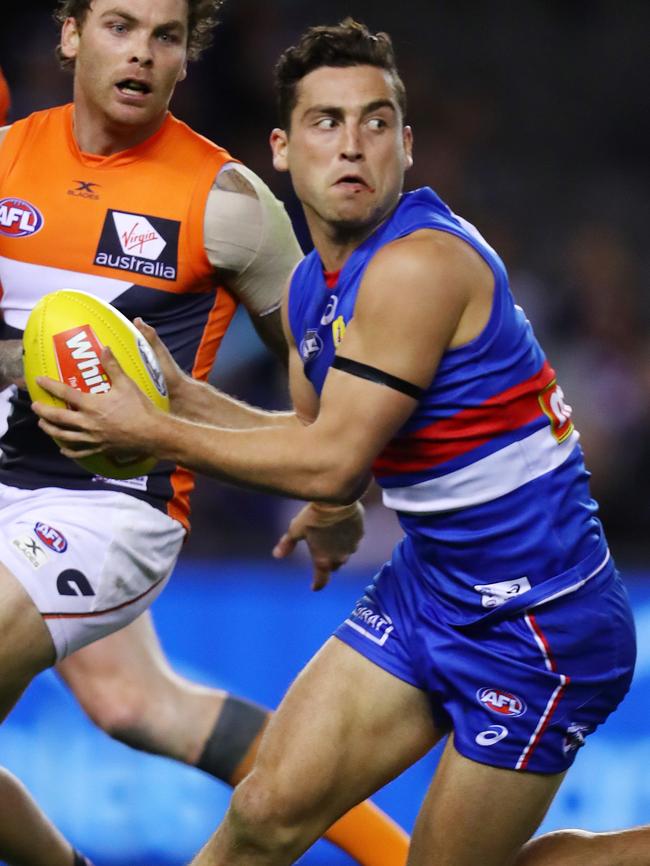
[[288, 460], [203, 404], [11, 363]]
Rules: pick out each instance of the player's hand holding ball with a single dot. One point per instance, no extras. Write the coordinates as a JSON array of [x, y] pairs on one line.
[[100, 404], [179, 384]]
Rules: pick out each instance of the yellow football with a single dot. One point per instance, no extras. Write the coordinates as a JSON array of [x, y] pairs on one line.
[[63, 339]]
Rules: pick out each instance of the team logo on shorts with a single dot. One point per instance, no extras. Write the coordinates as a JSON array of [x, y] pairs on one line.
[[73, 582], [139, 243], [18, 218], [51, 537], [500, 702], [575, 737]]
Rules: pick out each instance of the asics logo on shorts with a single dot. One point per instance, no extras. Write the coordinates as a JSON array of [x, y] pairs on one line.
[[493, 734]]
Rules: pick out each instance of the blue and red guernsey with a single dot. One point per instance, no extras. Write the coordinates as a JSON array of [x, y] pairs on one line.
[[487, 475]]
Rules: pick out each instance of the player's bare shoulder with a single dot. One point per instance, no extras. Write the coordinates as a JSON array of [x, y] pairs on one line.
[[433, 276], [436, 254]]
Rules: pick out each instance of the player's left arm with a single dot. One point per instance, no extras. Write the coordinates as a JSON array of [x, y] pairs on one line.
[[249, 241], [420, 295]]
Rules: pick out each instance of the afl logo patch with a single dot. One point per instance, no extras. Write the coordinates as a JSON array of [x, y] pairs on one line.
[[500, 702], [51, 537], [18, 218]]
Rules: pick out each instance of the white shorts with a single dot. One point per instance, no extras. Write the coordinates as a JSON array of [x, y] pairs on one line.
[[91, 561]]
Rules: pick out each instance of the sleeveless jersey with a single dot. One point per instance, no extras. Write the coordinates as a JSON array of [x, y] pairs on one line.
[[5, 100], [127, 228], [486, 476]]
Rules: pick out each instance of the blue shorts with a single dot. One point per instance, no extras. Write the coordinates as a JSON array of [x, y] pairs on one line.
[[522, 692]]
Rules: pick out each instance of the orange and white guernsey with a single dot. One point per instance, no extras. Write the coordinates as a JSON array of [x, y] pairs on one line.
[[127, 228]]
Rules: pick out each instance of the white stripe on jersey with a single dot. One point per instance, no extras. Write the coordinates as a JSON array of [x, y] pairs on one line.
[[485, 479], [24, 284]]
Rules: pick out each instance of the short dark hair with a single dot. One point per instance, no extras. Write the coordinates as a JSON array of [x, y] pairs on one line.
[[201, 21], [349, 43]]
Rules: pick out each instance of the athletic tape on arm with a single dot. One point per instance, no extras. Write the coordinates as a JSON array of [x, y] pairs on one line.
[[248, 233]]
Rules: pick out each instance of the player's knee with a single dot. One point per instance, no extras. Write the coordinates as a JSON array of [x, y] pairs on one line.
[[263, 818], [559, 848], [124, 715]]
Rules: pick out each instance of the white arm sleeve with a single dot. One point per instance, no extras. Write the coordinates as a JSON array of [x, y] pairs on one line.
[[248, 234]]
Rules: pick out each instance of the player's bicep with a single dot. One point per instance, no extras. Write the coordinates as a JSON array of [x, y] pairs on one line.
[[407, 312], [408, 309], [357, 418]]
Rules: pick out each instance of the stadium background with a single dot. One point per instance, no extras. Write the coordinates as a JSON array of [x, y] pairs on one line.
[[529, 119]]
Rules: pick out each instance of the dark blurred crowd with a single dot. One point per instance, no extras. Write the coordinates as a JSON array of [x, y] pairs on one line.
[[531, 121]]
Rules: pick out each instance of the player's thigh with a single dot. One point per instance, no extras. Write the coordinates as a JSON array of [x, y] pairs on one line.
[[25, 643], [345, 727], [475, 813], [133, 652]]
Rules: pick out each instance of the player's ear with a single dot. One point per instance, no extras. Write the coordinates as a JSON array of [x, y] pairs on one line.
[[70, 38], [407, 139], [182, 75], [279, 142]]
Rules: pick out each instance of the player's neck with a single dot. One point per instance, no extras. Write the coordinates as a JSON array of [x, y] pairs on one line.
[[336, 242], [103, 137]]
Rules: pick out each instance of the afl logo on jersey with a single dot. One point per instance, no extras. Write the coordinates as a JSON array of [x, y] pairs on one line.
[[18, 218], [51, 537], [500, 702]]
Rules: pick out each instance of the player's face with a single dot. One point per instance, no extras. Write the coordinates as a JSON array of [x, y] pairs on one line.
[[347, 149], [129, 56]]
